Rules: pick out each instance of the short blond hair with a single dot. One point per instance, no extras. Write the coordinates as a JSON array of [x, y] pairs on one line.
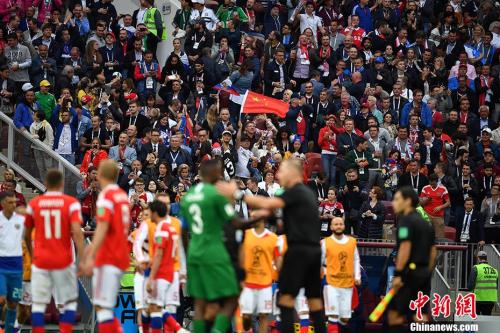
[[109, 170]]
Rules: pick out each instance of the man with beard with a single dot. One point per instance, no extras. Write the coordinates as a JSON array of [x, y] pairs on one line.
[[343, 271]]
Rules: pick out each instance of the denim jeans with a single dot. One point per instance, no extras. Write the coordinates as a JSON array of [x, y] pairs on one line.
[[328, 161]]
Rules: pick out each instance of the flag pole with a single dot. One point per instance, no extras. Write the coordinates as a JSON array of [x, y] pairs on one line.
[[243, 101]]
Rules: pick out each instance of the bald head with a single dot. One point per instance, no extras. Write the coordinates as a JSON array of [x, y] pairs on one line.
[[356, 77], [337, 226]]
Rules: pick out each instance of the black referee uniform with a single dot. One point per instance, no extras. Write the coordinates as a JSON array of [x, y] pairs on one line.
[[415, 275], [302, 261]]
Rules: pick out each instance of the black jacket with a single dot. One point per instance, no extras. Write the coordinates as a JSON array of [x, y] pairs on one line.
[[369, 227], [148, 148], [436, 149], [405, 180], [476, 228], [272, 74]]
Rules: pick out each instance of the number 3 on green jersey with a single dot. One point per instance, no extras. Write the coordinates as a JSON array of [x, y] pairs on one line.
[[195, 211]]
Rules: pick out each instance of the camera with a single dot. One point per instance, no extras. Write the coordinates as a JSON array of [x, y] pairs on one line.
[[95, 146]]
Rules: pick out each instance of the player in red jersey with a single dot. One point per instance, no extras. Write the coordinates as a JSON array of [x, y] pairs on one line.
[[57, 218], [108, 254], [162, 270]]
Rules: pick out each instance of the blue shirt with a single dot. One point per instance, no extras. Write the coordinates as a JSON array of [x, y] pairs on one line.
[[365, 17]]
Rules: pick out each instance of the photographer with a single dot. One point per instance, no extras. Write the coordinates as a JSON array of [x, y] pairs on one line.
[[139, 200], [7, 89], [360, 159], [87, 191], [128, 180], [93, 156], [352, 198]]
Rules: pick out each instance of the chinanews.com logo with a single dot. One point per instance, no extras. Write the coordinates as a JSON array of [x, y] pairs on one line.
[[435, 327], [465, 305]]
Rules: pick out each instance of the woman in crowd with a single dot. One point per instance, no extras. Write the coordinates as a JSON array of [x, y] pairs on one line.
[[41, 130], [269, 184], [372, 214], [94, 156], [328, 209]]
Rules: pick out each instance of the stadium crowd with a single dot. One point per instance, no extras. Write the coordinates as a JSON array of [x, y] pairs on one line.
[[382, 94], [389, 93]]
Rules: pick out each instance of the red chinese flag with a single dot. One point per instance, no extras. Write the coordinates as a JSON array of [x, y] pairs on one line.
[[257, 103]]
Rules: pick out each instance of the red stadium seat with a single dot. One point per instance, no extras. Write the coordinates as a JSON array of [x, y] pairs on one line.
[[450, 233], [313, 164]]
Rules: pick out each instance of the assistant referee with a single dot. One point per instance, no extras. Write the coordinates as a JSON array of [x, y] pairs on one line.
[[416, 256], [302, 227]]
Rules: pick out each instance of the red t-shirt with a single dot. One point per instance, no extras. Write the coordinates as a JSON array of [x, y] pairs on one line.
[[357, 35], [51, 215], [166, 239], [113, 208], [438, 196]]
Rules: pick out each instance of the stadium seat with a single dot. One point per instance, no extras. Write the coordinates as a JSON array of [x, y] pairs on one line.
[[313, 164], [390, 217], [450, 233]]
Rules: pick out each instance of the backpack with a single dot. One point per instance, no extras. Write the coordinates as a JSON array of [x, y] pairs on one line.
[[42, 135]]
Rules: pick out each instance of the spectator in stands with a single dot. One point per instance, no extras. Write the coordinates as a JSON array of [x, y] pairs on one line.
[[40, 129], [414, 178], [372, 213], [8, 91], [93, 156], [352, 198], [18, 60], [9, 174], [469, 223], [490, 204], [65, 137], [87, 191], [10, 185], [123, 154], [435, 199], [23, 116]]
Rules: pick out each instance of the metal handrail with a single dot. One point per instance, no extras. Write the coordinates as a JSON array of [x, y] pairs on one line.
[[9, 160]]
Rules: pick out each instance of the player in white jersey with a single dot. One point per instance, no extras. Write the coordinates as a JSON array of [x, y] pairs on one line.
[[11, 257]]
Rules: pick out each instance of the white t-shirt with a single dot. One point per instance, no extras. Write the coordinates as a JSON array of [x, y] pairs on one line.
[[313, 22], [11, 235], [64, 146]]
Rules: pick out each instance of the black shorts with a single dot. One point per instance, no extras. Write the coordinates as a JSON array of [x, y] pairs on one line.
[[301, 269], [413, 282]]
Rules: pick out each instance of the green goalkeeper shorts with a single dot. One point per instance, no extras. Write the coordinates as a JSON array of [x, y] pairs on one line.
[[211, 282]]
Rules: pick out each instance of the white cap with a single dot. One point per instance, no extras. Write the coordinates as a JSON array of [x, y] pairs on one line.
[[27, 86], [117, 74], [201, 2]]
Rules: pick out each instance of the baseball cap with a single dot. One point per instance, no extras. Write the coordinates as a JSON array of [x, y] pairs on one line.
[[486, 129], [379, 60], [482, 254], [227, 132], [111, 33], [202, 2], [27, 86], [44, 83], [118, 74]]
